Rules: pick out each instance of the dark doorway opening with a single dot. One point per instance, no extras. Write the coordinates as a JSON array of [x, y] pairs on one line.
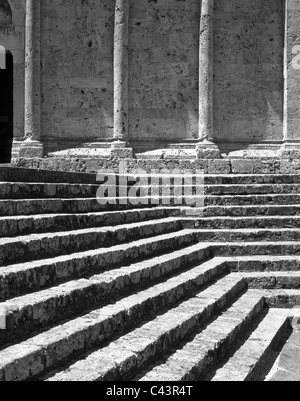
[[6, 109]]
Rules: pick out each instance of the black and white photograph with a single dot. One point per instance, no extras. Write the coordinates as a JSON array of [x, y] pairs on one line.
[[150, 193]]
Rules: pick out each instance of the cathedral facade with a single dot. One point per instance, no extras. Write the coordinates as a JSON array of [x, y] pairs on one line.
[[205, 78]]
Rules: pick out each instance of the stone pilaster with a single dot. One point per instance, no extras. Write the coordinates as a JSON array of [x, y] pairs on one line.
[[291, 147], [32, 147], [206, 148]]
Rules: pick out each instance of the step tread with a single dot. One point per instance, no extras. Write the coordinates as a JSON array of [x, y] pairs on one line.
[[242, 364], [193, 355], [133, 345]]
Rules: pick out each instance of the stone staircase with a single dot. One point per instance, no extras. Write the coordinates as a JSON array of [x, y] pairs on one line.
[[122, 292]]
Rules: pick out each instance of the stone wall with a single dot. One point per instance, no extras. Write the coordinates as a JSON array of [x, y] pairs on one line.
[[77, 71], [78, 76], [164, 68], [249, 65]]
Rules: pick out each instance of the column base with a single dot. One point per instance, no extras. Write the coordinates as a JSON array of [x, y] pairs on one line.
[[121, 150], [207, 150], [290, 150], [30, 149]]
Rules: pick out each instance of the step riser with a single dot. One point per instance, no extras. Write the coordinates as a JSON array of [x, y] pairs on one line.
[[21, 251], [35, 174], [51, 206], [255, 249], [262, 223], [22, 226], [264, 266], [231, 236], [263, 200], [52, 354], [251, 179], [254, 211], [282, 301], [269, 283], [41, 190], [252, 189]]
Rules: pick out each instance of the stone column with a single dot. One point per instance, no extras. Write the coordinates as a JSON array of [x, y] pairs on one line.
[[291, 112], [32, 146], [206, 148], [121, 63]]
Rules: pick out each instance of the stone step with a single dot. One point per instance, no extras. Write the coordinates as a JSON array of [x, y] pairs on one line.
[[38, 246], [253, 200], [180, 176], [281, 298], [15, 174], [198, 189], [247, 211], [195, 358], [28, 190], [17, 280], [257, 189], [209, 199], [249, 235], [25, 190], [55, 347], [249, 361], [250, 165], [216, 205], [28, 207], [50, 306], [257, 248], [262, 263], [245, 222], [123, 358], [23, 225], [272, 280], [246, 179], [32, 276]]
